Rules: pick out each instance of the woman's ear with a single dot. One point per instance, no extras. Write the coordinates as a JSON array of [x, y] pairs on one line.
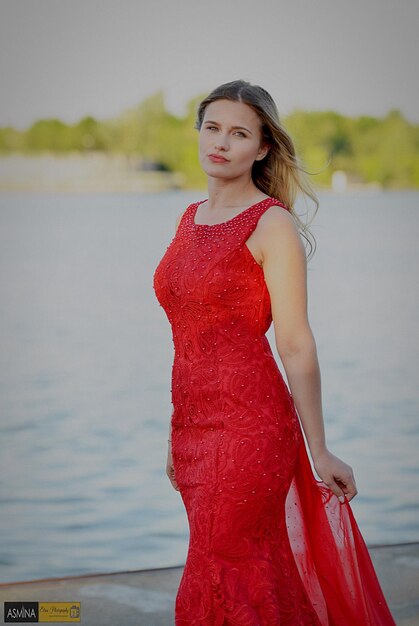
[[263, 151]]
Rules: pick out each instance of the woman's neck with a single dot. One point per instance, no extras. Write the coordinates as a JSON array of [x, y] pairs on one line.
[[231, 194]]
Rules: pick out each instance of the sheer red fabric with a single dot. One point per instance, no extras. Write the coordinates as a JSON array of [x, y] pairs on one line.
[[269, 544]]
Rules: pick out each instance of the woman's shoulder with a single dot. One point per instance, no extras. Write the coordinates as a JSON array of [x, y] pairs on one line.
[[276, 216], [277, 231]]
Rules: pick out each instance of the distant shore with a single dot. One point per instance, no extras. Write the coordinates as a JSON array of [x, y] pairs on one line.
[[99, 172], [75, 172]]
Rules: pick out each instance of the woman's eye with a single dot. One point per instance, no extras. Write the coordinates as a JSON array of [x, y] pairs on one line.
[[211, 128], [240, 134]]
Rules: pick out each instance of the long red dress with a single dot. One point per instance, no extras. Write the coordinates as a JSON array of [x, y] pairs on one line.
[[269, 544]]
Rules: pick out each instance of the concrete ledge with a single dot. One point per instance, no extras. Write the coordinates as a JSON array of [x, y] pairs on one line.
[[147, 597]]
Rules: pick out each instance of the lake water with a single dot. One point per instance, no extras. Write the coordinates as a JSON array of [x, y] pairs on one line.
[[85, 365]]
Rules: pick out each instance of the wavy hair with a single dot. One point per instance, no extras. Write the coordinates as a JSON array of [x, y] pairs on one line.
[[280, 174]]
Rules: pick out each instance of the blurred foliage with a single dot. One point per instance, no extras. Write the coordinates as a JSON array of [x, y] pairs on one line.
[[368, 149]]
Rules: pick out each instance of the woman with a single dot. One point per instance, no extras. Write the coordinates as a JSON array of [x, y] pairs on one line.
[[269, 544]]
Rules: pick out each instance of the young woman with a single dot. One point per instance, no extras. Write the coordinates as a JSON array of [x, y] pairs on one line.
[[269, 544]]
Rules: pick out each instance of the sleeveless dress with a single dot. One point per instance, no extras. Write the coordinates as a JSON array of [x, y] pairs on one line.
[[269, 544]]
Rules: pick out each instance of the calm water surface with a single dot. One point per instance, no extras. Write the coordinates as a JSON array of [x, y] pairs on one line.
[[85, 367]]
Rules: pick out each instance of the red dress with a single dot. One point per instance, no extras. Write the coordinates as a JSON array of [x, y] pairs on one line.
[[269, 544]]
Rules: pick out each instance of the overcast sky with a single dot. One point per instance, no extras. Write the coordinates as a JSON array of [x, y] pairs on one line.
[[71, 58]]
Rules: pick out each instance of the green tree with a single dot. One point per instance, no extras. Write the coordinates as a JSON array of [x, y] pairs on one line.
[[369, 149], [51, 135]]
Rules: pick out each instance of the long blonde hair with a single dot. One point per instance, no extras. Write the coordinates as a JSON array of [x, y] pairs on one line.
[[280, 174]]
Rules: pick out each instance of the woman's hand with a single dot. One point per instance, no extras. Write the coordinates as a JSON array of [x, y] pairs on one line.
[[170, 469], [336, 474]]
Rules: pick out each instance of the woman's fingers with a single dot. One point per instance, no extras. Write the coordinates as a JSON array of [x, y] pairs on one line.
[[171, 474], [337, 475], [170, 471], [344, 488], [350, 489]]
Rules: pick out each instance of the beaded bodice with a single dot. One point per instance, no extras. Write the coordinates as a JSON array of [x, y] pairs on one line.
[[215, 297], [268, 543]]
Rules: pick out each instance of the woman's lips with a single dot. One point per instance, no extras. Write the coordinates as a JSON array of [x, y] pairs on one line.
[[215, 158]]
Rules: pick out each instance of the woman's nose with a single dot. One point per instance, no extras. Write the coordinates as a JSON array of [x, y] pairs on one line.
[[222, 142]]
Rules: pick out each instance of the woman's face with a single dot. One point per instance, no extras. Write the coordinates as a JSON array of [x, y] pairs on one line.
[[230, 140]]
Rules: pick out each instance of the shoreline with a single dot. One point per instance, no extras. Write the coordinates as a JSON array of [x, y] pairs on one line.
[[99, 172], [83, 173], [147, 597]]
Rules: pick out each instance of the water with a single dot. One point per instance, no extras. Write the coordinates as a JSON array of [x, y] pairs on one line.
[[85, 366]]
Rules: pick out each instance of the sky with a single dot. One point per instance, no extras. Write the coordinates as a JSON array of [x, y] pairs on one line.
[[68, 59]]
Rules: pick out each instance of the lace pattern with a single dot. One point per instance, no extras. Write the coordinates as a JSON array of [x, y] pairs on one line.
[[269, 544]]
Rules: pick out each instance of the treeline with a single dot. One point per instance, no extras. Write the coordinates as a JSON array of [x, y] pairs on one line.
[[368, 149]]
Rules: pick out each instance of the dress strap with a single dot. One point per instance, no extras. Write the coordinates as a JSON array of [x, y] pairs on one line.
[[251, 221]]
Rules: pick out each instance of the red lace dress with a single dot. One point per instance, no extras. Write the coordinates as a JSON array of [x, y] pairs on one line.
[[269, 544]]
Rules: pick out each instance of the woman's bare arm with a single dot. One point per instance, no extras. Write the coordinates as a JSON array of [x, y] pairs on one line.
[[285, 271]]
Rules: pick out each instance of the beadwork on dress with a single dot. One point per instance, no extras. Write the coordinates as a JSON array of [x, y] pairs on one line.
[[269, 544]]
